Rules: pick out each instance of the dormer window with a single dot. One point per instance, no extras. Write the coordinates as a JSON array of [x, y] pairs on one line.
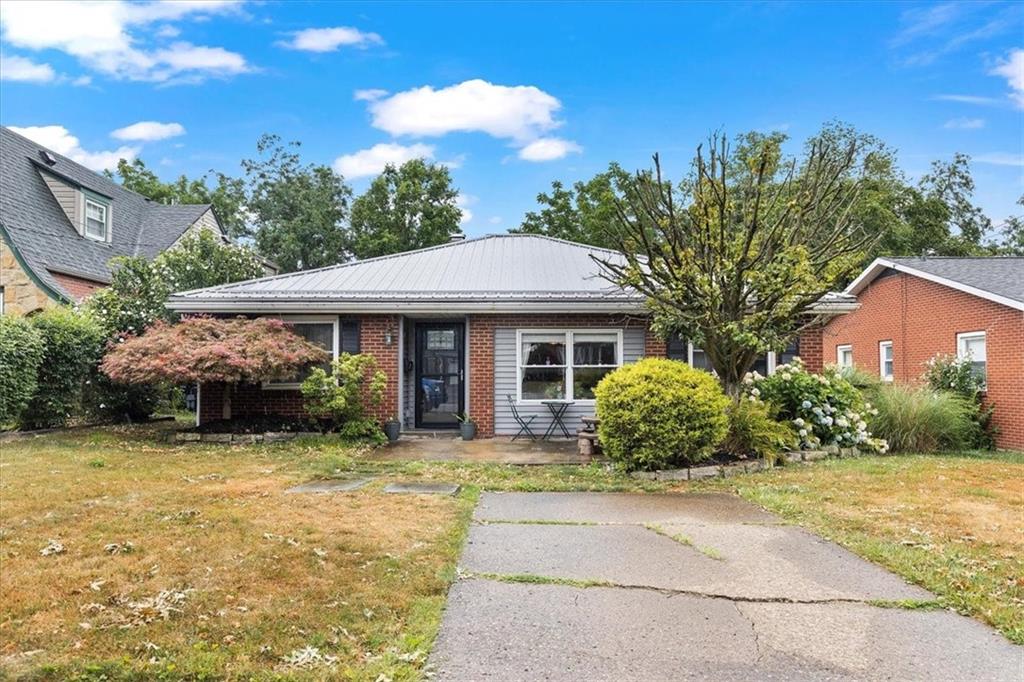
[[96, 220]]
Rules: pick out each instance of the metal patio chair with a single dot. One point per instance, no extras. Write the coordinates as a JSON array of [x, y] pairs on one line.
[[524, 424]]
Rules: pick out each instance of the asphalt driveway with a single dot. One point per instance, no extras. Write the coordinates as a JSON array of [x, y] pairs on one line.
[[603, 586]]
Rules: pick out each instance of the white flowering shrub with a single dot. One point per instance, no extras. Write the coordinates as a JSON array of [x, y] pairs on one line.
[[825, 409]]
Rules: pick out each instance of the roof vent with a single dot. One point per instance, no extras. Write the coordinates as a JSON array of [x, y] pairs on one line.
[[457, 237], [49, 158]]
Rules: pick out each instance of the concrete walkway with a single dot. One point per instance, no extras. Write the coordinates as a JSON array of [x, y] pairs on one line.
[[592, 586]]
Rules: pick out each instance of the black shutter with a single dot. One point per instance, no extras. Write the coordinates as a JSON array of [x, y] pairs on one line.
[[349, 335], [675, 348]]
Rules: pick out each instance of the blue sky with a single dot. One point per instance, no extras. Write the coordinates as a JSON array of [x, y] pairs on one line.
[[512, 96]]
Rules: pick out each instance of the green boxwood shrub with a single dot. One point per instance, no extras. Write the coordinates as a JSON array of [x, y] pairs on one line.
[[659, 413], [72, 343], [920, 419], [21, 351]]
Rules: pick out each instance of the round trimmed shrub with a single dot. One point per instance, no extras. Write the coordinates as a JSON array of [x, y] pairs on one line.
[[657, 414], [21, 351]]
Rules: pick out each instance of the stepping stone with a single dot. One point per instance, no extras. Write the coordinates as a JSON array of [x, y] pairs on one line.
[[422, 488], [331, 486]]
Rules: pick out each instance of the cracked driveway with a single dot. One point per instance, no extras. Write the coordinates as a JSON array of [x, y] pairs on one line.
[[605, 586]]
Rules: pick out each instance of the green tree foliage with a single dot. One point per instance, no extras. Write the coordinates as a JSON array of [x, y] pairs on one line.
[[21, 351], [736, 256], [298, 211], [659, 413], [1011, 234], [343, 396], [204, 260], [72, 344], [408, 207], [581, 213], [227, 196]]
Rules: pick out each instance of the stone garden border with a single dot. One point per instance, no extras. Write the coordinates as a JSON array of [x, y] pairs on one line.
[[741, 467], [239, 438]]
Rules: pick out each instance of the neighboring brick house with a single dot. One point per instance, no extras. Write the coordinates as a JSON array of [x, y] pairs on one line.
[[911, 309], [463, 327], [61, 223]]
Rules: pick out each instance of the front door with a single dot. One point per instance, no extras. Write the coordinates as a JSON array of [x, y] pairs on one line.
[[439, 374]]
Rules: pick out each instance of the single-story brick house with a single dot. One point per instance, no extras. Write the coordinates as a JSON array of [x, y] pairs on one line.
[[460, 327], [911, 309]]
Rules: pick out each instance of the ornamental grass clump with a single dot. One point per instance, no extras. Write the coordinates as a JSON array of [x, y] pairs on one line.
[[945, 372], [919, 419], [657, 414], [825, 409]]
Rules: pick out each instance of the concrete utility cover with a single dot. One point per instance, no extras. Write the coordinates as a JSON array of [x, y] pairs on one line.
[[742, 596], [422, 488], [332, 486]]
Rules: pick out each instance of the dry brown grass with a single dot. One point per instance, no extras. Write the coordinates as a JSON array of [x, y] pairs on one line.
[[954, 524], [250, 574]]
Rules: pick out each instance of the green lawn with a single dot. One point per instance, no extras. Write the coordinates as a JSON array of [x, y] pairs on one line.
[[189, 561]]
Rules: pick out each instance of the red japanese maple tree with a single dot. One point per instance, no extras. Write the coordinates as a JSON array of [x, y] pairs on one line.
[[207, 349]]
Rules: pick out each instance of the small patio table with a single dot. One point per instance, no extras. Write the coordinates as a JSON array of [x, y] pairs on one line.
[[557, 408]]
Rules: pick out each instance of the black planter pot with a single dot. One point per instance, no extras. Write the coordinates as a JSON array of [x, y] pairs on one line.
[[467, 430], [392, 430]]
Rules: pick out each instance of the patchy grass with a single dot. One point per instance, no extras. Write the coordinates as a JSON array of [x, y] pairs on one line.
[[952, 524], [191, 562], [683, 539], [532, 579]]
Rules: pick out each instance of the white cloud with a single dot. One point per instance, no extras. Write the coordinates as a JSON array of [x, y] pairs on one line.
[[521, 112], [330, 39], [99, 35], [60, 140], [1000, 159], [168, 31], [148, 131], [964, 123], [1012, 69], [549, 149], [369, 95], [371, 161], [967, 99], [463, 201], [494, 220], [15, 68]]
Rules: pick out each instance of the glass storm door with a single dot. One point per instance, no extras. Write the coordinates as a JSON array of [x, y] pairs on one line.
[[439, 375]]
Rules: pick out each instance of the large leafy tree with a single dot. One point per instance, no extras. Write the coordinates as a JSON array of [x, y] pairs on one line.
[[227, 196], [736, 255], [1011, 233], [408, 207], [580, 213], [298, 211]]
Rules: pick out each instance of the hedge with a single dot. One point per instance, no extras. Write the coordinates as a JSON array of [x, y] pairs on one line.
[[21, 351]]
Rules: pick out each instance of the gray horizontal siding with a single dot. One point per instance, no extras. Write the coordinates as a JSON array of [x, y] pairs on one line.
[[66, 196], [505, 384]]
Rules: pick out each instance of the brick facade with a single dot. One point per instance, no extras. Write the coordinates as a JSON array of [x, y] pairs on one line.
[[78, 287], [811, 349], [922, 319], [251, 400]]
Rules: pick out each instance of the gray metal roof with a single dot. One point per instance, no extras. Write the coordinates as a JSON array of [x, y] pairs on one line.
[[496, 272], [44, 237], [998, 278], [508, 267]]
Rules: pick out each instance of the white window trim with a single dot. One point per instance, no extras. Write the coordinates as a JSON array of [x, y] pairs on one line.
[[840, 349], [961, 348], [106, 220], [882, 345], [332, 319], [569, 336], [771, 363]]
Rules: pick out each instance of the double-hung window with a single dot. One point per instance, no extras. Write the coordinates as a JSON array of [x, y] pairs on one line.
[[885, 360], [565, 365], [844, 356], [971, 346], [319, 331], [96, 220]]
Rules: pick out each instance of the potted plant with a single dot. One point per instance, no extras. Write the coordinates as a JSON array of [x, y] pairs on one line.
[[467, 427], [393, 429]]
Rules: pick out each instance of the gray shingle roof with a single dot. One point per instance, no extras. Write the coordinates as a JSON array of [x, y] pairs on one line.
[[996, 277], [45, 238]]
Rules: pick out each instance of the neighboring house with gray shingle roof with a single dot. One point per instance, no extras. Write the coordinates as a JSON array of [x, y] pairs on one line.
[[912, 309], [61, 223], [472, 326]]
